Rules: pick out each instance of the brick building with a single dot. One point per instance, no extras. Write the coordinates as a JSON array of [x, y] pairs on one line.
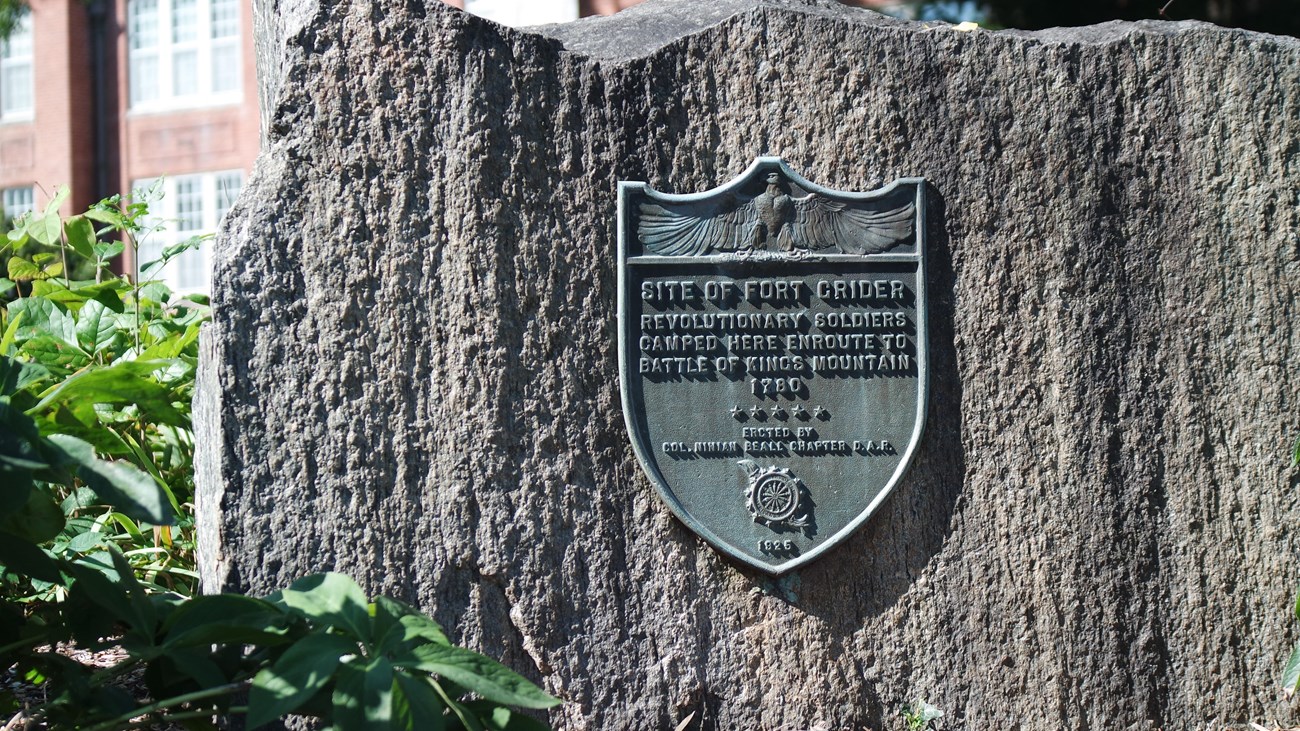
[[110, 95]]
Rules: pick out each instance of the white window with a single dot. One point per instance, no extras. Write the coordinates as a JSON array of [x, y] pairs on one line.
[[190, 205], [16, 202], [515, 13], [183, 53], [16, 71]]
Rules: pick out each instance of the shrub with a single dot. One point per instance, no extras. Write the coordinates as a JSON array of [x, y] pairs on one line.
[[96, 486]]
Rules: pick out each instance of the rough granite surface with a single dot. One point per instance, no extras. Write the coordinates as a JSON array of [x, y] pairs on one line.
[[412, 373]]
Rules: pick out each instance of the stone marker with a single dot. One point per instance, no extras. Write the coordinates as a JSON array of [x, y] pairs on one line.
[[413, 371]]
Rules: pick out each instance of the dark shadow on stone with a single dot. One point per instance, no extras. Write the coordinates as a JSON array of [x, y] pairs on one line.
[[872, 570]]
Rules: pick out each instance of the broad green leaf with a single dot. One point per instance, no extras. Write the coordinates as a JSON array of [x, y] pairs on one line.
[[96, 326], [105, 441], [332, 599], [11, 332], [15, 375], [25, 557], [396, 623], [123, 486], [197, 664], [416, 706], [105, 214], [1295, 453], [120, 384], [1291, 672], [80, 234], [62, 326], [300, 673], [56, 355], [15, 479], [83, 542], [111, 299], [20, 458], [154, 292], [34, 313], [226, 619], [45, 229], [420, 626], [363, 696], [108, 249], [114, 590], [478, 674], [38, 520], [22, 270], [43, 317], [6, 284], [79, 292], [61, 194]]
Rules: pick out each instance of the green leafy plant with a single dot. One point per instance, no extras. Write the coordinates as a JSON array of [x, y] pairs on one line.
[[918, 715], [110, 361], [95, 473]]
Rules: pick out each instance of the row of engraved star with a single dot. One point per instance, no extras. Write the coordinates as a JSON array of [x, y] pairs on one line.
[[778, 412]]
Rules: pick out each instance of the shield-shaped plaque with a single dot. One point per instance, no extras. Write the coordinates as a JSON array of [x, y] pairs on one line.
[[773, 355]]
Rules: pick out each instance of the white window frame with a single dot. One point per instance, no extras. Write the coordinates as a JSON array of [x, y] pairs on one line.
[[17, 65], [17, 201], [166, 225], [161, 49]]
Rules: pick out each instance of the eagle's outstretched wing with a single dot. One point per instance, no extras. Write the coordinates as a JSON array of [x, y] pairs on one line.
[[821, 223], [692, 229]]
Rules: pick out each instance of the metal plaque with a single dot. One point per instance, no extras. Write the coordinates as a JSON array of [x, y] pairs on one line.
[[773, 356]]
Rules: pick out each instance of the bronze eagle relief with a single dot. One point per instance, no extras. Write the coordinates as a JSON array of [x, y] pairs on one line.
[[773, 220]]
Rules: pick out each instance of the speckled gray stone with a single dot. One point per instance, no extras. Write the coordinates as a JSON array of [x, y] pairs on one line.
[[412, 373]]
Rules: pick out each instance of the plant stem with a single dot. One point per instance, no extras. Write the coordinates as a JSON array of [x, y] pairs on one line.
[[135, 286], [168, 718], [63, 254], [198, 695]]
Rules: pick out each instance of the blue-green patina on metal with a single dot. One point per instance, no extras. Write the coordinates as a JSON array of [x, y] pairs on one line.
[[773, 355]]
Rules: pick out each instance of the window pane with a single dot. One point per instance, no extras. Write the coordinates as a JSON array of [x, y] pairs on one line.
[[142, 23], [191, 273], [225, 18], [185, 73], [144, 77], [19, 44], [189, 204], [17, 201], [16, 88], [225, 67], [185, 21]]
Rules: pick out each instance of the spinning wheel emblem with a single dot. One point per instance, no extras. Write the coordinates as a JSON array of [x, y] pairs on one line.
[[774, 496]]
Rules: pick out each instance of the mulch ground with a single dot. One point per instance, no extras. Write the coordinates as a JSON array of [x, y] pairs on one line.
[[31, 696]]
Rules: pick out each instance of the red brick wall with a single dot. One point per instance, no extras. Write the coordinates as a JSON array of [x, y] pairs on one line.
[[56, 147]]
